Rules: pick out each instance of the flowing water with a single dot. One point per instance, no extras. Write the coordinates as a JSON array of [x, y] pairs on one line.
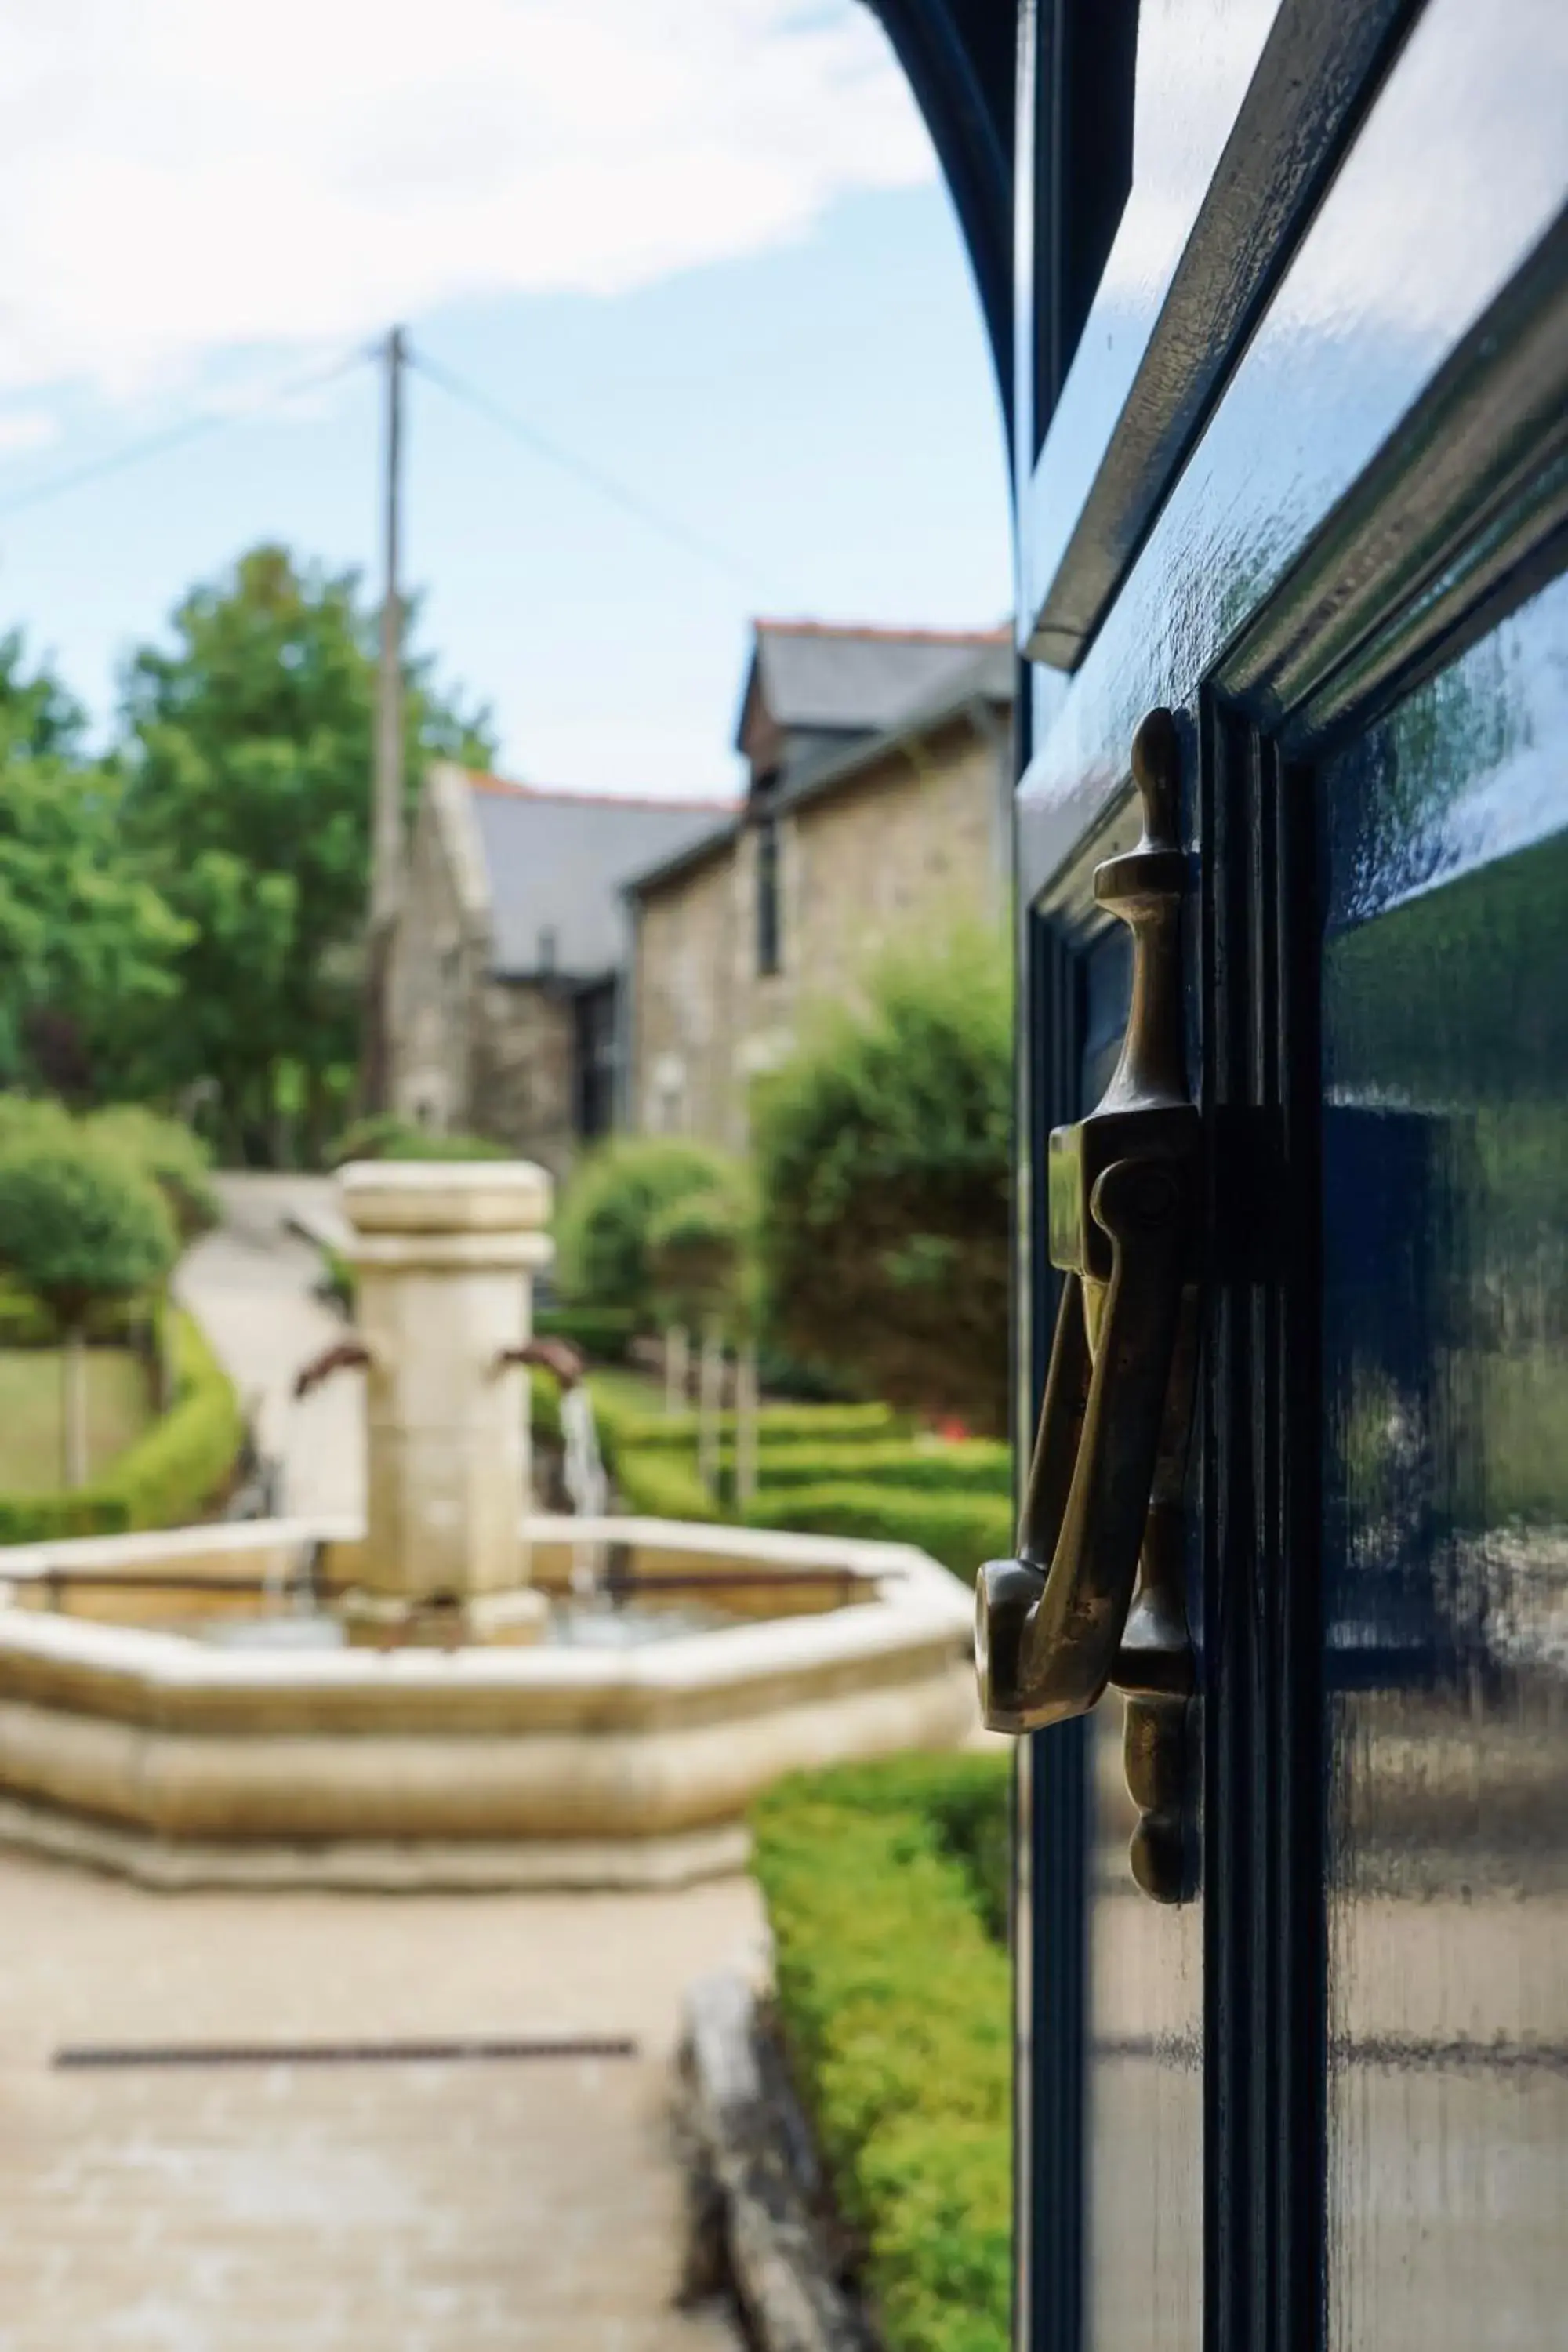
[[587, 1486]]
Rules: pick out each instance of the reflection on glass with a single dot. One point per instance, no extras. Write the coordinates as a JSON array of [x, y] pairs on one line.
[[1144, 2077], [1445, 1503], [1145, 2087]]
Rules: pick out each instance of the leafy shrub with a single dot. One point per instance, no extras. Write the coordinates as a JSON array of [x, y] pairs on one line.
[[23, 1117], [367, 1138], [883, 1164], [167, 1477], [387, 1136], [337, 1285], [960, 1530], [602, 1226], [79, 1225], [603, 1333], [177, 1161], [782, 1375], [894, 2005]]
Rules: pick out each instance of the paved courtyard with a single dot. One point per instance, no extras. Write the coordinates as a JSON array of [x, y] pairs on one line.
[[384, 2207]]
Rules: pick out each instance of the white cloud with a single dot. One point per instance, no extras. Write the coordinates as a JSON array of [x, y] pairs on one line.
[[25, 428], [188, 178]]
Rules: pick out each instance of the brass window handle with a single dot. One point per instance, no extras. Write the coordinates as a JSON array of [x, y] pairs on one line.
[[1093, 1595]]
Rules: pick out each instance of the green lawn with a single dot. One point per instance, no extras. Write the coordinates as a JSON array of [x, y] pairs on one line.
[[118, 1410]]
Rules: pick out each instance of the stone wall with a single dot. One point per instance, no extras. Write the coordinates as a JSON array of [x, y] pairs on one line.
[[908, 845], [524, 1071], [472, 1053], [684, 994]]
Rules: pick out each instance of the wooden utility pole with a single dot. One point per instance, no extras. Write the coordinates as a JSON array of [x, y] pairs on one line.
[[386, 792]]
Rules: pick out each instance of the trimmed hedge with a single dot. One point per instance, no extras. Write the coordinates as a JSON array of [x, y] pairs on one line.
[[973, 1465], [894, 2002], [960, 1530], [652, 1460], [655, 1486], [778, 1425], [168, 1477]]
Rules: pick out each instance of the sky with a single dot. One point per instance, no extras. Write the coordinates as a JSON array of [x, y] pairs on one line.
[[699, 247]]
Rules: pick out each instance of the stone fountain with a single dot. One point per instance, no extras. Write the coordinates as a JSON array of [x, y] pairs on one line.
[[451, 1714], [445, 1255]]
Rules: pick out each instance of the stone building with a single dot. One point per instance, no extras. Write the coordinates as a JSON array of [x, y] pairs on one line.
[[878, 807], [505, 992]]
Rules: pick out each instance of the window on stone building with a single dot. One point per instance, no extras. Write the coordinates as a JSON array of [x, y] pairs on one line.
[[769, 957], [594, 1010]]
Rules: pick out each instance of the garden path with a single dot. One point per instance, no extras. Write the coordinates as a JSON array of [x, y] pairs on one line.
[[250, 1285], [399, 2206]]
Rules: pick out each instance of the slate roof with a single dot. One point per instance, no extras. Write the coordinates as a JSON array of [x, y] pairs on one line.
[[556, 863], [988, 675], [850, 679]]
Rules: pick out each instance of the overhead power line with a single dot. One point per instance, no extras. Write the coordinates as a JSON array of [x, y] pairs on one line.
[[668, 527], [193, 429]]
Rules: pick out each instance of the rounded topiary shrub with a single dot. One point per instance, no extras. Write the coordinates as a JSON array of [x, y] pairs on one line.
[[176, 1158], [698, 1255], [79, 1223], [605, 1223], [80, 1226]]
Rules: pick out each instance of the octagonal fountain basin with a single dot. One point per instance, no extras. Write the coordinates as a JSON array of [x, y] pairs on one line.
[[183, 1707]]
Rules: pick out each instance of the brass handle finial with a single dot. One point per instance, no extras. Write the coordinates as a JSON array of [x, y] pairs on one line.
[[1093, 1595]]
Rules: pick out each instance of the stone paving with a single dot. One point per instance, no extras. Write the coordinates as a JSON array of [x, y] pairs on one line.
[[373, 2208]]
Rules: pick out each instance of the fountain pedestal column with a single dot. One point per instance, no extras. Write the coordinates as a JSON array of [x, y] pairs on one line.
[[444, 1255]]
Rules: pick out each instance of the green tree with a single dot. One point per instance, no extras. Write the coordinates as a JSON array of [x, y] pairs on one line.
[[883, 1167], [79, 1228], [248, 751], [88, 946]]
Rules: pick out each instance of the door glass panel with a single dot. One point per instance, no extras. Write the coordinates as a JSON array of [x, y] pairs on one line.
[[1195, 58], [1446, 1506], [1144, 2079]]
